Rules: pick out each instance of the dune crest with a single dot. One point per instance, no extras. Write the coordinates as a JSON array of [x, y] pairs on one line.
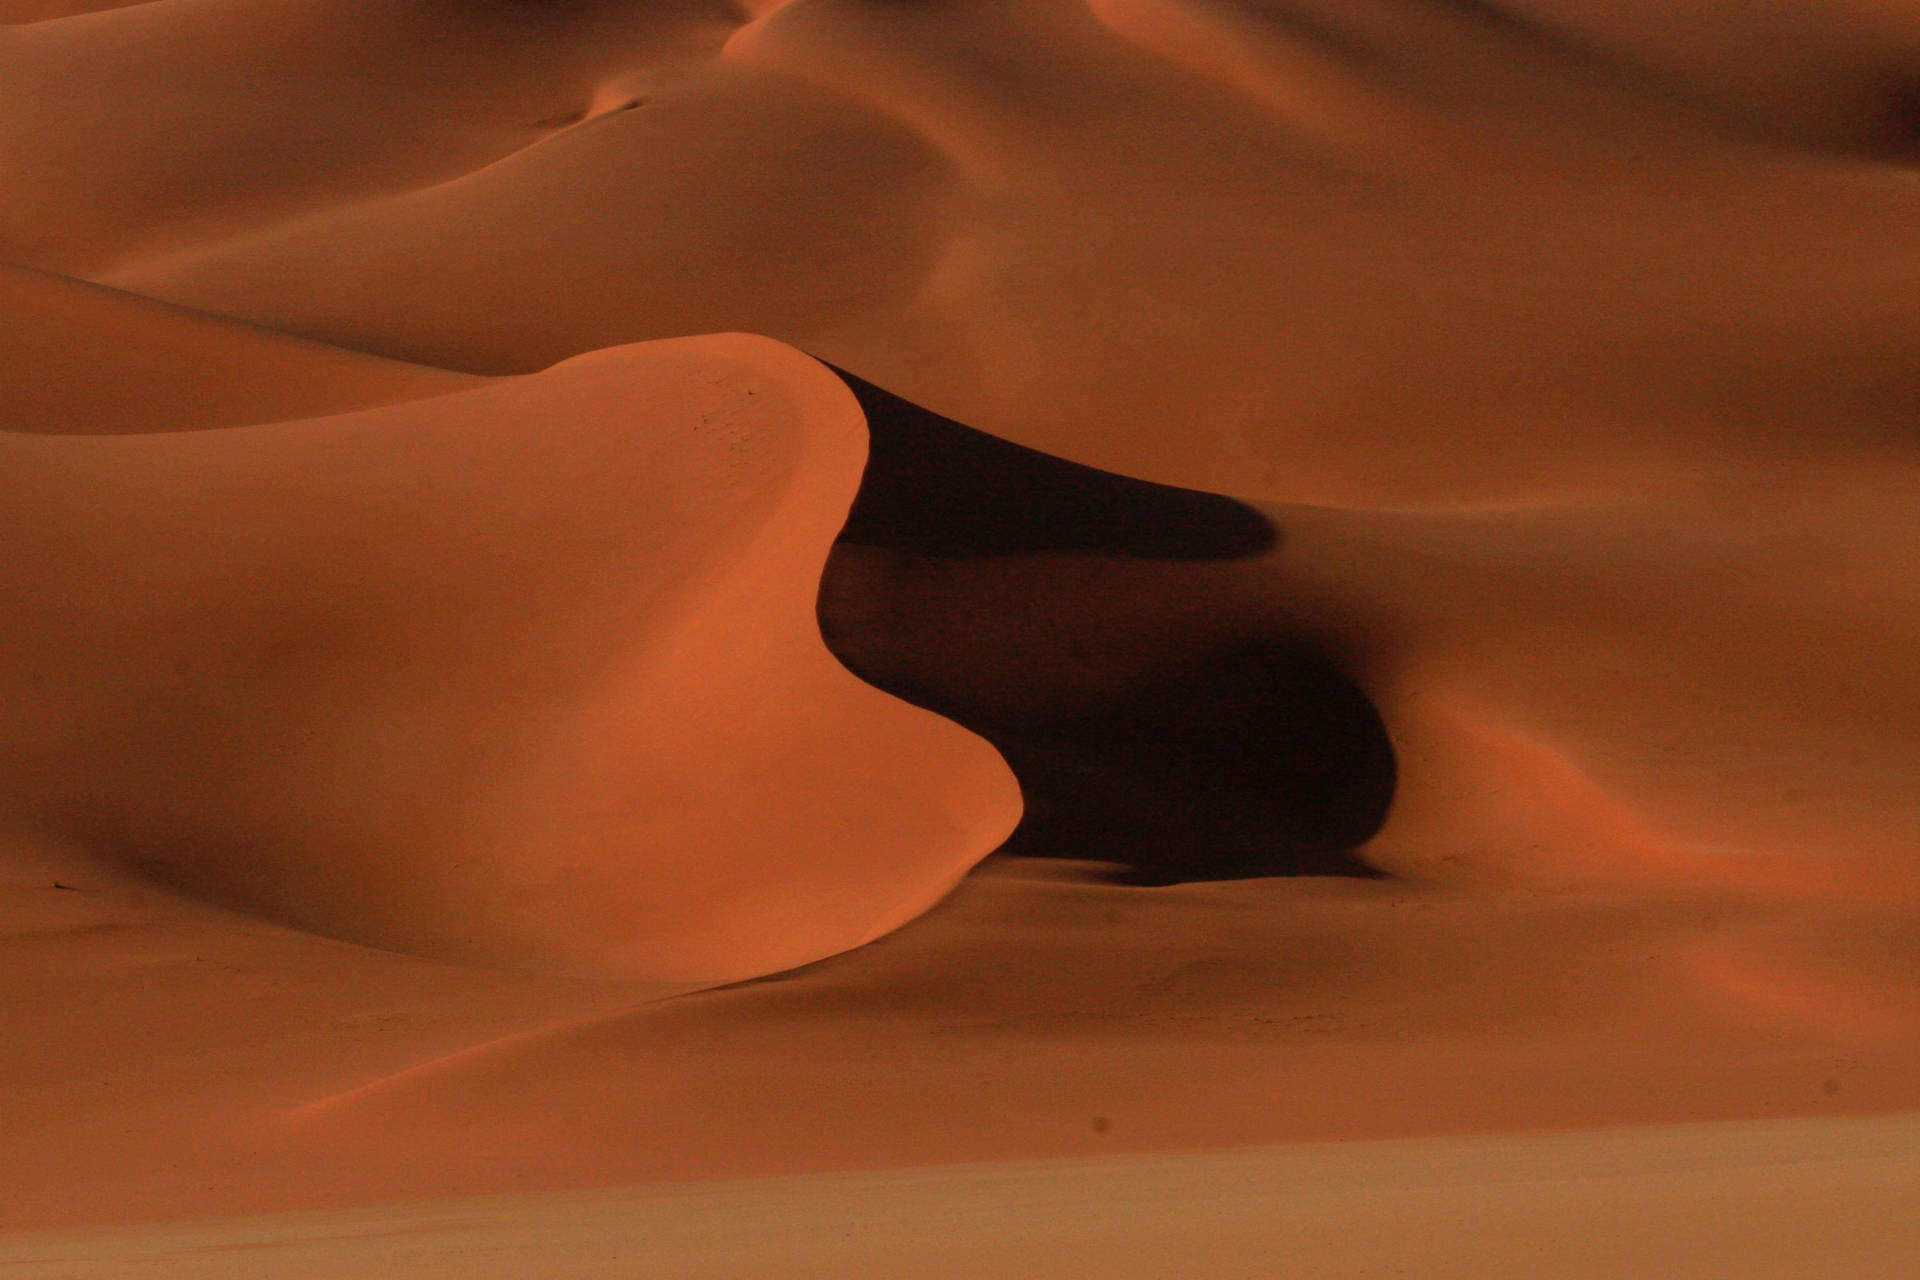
[[526, 674]]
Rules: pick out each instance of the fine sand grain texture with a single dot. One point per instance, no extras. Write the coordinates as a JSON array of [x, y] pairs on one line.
[[1325, 680]]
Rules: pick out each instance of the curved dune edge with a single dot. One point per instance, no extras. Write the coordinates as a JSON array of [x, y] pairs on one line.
[[29, 11], [82, 359], [525, 674], [1448, 254]]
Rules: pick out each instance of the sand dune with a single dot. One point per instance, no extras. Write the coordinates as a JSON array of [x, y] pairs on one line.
[[469, 628], [84, 360], [1421, 492], [25, 11], [1582, 276]]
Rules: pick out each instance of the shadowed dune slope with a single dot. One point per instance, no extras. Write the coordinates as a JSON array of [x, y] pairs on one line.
[[1074, 618]]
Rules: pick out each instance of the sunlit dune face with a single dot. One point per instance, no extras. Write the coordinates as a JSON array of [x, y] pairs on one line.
[[527, 675]]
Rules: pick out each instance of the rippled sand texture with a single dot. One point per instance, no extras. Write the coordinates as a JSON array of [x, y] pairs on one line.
[[412, 688]]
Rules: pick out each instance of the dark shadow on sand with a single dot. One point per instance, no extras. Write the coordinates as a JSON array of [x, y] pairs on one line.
[[937, 488], [1261, 759]]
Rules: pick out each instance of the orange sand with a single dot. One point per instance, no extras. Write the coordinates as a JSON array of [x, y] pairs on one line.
[[412, 693]]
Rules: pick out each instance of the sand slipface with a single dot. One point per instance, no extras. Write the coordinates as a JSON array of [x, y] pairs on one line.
[[412, 673]]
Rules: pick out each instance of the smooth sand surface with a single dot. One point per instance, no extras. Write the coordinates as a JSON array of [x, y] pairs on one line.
[[25, 11], [84, 360], [1041, 1011], [1397, 252], [1796, 1200], [555, 636], [443, 752]]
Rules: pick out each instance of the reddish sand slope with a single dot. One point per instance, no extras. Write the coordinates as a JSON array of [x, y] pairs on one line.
[[1380, 253], [1571, 348], [24, 11], [527, 674], [81, 360], [1557, 259]]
